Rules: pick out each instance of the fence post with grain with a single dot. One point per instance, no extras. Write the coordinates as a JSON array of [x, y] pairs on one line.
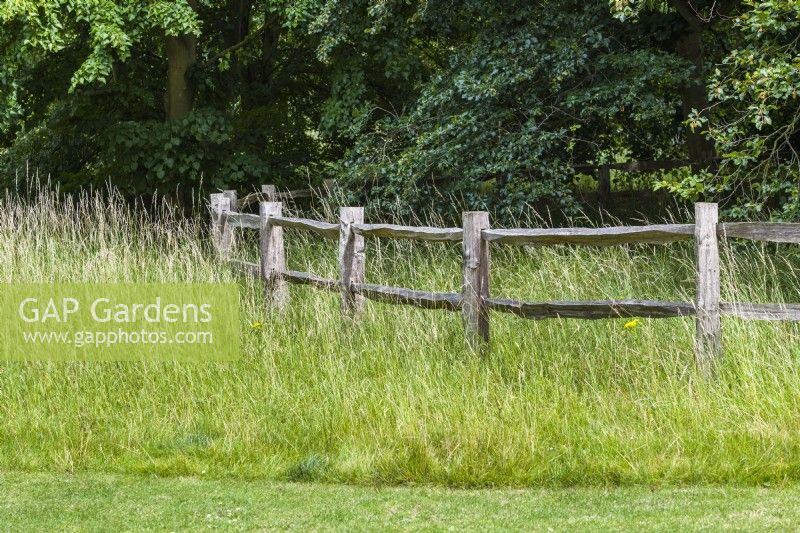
[[473, 300], [708, 339], [220, 207], [351, 260], [475, 288], [273, 256]]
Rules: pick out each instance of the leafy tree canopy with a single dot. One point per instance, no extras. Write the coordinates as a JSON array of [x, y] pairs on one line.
[[494, 102], [509, 100], [755, 115]]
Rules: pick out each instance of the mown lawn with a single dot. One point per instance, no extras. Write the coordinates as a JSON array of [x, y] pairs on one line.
[[57, 502]]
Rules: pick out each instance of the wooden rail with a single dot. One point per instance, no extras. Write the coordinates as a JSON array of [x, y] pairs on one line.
[[593, 309], [422, 233], [325, 229], [473, 301], [761, 231], [399, 295], [661, 233], [270, 193]]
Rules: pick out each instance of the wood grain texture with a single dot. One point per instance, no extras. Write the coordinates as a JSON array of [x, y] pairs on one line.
[[761, 231], [273, 257], [593, 310], [708, 336], [748, 311], [423, 233], [307, 278], [257, 197], [351, 259], [228, 239], [325, 229], [656, 233], [269, 192], [215, 199], [300, 193], [475, 288], [231, 195], [219, 206], [244, 220], [402, 296], [224, 235], [292, 276]]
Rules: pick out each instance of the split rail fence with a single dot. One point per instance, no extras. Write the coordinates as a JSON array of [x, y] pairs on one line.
[[476, 235]]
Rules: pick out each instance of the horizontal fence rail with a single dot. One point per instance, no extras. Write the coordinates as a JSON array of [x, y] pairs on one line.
[[761, 231], [325, 229], [399, 295], [307, 278], [655, 234], [420, 233], [747, 311], [270, 193], [473, 300], [593, 309]]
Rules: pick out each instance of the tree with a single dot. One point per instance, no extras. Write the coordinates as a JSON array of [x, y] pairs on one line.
[[502, 102], [497, 102], [754, 116], [154, 95], [698, 33]]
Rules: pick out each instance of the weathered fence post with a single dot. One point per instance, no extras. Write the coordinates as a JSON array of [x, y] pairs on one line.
[[475, 291], [708, 338], [227, 236], [273, 258], [233, 197], [220, 206], [351, 259], [270, 193]]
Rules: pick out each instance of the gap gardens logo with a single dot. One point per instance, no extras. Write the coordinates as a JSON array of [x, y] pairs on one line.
[[179, 321]]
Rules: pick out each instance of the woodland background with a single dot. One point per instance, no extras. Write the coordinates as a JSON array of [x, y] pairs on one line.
[[505, 103]]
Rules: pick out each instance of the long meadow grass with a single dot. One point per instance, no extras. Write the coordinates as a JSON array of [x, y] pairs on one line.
[[396, 397]]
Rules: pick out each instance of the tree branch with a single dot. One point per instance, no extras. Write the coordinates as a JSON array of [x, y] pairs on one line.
[[685, 9], [251, 37]]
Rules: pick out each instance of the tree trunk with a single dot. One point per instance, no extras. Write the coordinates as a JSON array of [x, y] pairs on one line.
[[693, 96], [238, 29], [181, 55], [259, 76]]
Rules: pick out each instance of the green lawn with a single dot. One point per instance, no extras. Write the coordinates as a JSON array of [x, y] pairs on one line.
[[53, 502]]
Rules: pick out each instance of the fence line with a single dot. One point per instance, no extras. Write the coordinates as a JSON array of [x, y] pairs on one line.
[[474, 301], [270, 193]]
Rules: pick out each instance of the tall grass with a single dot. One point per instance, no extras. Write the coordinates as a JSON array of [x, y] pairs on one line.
[[395, 397]]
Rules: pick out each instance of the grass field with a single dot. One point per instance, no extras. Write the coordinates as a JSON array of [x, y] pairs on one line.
[[103, 502], [395, 398]]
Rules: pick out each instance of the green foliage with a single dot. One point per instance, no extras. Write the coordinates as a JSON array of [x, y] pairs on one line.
[[177, 152], [497, 103], [754, 117], [107, 29], [83, 91], [503, 108]]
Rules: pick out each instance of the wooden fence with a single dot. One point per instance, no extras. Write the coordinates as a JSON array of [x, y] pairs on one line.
[[477, 236]]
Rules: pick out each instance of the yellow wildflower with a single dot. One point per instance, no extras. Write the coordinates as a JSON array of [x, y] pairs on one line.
[[256, 325], [630, 324]]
